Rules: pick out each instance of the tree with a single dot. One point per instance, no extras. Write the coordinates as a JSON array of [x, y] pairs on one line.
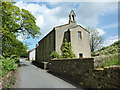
[[67, 50], [16, 21], [95, 39]]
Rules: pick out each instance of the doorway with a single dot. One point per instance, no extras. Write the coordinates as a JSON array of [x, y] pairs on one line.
[[80, 55]]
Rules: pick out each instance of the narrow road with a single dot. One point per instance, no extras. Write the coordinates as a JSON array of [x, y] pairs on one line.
[[30, 76]]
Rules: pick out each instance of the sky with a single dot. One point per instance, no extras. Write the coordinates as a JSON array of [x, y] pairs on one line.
[[100, 15]]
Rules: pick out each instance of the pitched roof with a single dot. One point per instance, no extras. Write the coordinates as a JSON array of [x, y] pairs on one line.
[[72, 12], [79, 26]]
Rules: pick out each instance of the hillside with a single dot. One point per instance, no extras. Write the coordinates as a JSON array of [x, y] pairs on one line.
[[111, 49], [108, 56]]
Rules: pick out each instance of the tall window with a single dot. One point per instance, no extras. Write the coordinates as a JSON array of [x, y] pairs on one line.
[[79, 35], [72, 17]]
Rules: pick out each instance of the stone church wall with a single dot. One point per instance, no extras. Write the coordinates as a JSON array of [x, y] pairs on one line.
[[82, 72]]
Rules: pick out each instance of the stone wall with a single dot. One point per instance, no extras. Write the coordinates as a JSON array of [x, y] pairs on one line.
[[82, 72], [103, 78], [7, 80], [45, 47]]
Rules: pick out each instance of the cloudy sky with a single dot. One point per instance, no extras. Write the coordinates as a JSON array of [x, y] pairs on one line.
[[100, 15]]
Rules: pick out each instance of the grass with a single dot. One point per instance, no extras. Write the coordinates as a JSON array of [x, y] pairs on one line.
[[109, 55], [110, 61], [111, 49]]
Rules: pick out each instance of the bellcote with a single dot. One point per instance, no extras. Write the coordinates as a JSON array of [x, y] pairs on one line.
[[72, 17]]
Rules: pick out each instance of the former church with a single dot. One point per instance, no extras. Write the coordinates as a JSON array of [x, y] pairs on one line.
[[76, 34]]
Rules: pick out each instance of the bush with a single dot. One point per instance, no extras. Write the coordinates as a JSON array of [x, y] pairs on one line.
[[54, 55], [7, 64], [111, 60], [66, 50]]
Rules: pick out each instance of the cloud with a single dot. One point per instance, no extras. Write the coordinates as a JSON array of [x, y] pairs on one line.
[[70, 0], [88, 13], [101, 31], [46, 18], [51, 14], [110, 40]]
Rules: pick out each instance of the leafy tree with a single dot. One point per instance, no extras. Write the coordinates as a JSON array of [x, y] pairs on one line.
[[67, 50], [95, 39], [16, 21]]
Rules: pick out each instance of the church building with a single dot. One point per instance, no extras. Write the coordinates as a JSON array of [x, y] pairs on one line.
[[76, 34]]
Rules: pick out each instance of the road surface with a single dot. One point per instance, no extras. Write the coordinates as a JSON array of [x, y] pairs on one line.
[[30, 76]]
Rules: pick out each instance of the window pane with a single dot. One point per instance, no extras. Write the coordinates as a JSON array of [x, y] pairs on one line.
[[79, 35]]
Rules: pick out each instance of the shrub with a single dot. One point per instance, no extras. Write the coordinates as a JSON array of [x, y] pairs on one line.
[[54, 55], [111, 60], [7, 64], [67, 50]]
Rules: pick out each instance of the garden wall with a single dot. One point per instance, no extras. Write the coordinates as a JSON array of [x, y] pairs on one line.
[[8, 80], [82, 72]]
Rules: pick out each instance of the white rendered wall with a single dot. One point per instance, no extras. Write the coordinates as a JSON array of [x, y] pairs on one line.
[[32, 55]]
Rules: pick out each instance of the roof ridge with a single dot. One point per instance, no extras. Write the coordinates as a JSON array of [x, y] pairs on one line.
[[81, 27], [61, 25], [73, 27]]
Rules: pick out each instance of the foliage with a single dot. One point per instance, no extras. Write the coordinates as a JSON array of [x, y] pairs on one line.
[[11, 82], [111, 60], [112, 49], [8, 64], [54, 55], [67, 50], [16, 21], [0, 69], [95, 39], [109, 55], [14, 47]]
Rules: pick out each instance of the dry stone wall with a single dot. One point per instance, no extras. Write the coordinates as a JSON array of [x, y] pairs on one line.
[[82, 72]]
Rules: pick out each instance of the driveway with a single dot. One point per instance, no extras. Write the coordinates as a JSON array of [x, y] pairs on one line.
[[30, 76]]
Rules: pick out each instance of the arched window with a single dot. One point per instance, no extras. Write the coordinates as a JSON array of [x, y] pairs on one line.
[[72, 17]]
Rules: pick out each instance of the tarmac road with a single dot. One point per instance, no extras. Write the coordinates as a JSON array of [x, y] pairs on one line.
[[30, 76]]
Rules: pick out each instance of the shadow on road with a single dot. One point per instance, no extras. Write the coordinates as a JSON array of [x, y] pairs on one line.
[[61, 77], [69, 81], [39, 65]]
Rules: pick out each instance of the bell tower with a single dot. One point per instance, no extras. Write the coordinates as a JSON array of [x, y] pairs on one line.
[[72, 17]]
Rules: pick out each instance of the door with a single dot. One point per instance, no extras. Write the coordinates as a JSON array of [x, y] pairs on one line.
[[80, 55]]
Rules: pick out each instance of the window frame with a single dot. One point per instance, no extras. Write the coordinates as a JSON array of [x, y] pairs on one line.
[[79, 34]]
